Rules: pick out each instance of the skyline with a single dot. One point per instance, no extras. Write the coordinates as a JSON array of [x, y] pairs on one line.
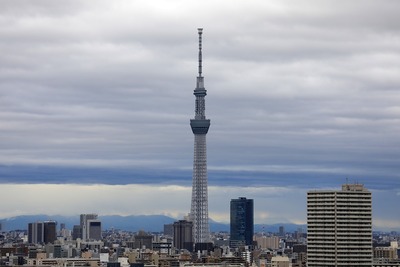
[[97, 98]]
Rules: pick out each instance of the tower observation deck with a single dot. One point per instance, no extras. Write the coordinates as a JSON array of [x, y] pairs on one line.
[[200, 126]]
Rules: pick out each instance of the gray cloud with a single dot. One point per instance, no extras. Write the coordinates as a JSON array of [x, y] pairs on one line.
[[306, 88]]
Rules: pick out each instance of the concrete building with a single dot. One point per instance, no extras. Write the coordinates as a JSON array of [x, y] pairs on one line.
[[267, 242], [94, 229], [183, 235], [90, 227], [280, 261], [210, 264], [389, 253], [242, 222], [386, 263], [42, 232], [143, 240], [339, 227], [163, 247], [76, 232], [35, 233]]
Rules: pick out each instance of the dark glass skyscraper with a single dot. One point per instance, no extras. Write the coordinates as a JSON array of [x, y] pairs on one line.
[[50, 231], [242, 222], [42, 232]]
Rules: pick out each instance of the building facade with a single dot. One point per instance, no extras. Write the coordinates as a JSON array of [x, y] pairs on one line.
[[143, 240], [36, 233], [183, 235], [50, 231], [267, 242], [339, 227], [280, 261], [200, 126], [42, 232], [242, 222], [90, 227]]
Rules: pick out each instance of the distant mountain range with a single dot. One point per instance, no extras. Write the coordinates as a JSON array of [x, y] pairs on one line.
[[149, 223]]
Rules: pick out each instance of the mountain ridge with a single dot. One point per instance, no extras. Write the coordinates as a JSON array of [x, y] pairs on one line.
[[134, 223]]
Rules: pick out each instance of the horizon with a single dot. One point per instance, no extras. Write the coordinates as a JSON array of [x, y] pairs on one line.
[[218, 226]]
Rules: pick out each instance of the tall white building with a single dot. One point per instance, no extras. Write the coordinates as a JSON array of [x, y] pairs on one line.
[[339, 227]]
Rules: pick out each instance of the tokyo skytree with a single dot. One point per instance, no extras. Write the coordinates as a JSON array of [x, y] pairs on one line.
[[200, 125]]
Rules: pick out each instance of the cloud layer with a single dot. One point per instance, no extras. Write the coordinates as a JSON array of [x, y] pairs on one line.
[[299, 94]]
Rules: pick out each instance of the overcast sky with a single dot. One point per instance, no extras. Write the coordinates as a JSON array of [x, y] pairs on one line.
[[96, 98]]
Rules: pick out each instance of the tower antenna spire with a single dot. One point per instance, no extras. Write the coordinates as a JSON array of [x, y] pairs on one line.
[[200, 30]]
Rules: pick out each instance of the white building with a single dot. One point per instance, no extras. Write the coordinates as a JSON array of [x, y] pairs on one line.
[[339, 227]]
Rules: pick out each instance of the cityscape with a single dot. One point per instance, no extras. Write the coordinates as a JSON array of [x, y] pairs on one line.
[[298, 165], [339, 233]]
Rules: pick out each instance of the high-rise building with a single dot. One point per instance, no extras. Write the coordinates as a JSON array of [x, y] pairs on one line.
[[281, 231], [50, 231], [94, 229], [200, 126], [183, 235], [242, 222], [42, 232], [35, 233], [169, 229], [90, 227], [339, 227], [76, 232]]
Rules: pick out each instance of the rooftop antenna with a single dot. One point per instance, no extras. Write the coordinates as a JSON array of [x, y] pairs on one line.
[[200, 30]]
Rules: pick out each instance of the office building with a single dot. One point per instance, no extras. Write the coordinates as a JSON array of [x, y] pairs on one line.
[[42, 232], [35, 233], [50, 231], [76, 232], [169, 229], [281, 231], [200, 126], [242, 222], [267, 242], [94, 229], [339, 231], [143, 240], [280, 261], [90, 227], [183, 235], [389, 253]]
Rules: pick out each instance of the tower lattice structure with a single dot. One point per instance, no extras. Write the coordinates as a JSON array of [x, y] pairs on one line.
[[200, 126]]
